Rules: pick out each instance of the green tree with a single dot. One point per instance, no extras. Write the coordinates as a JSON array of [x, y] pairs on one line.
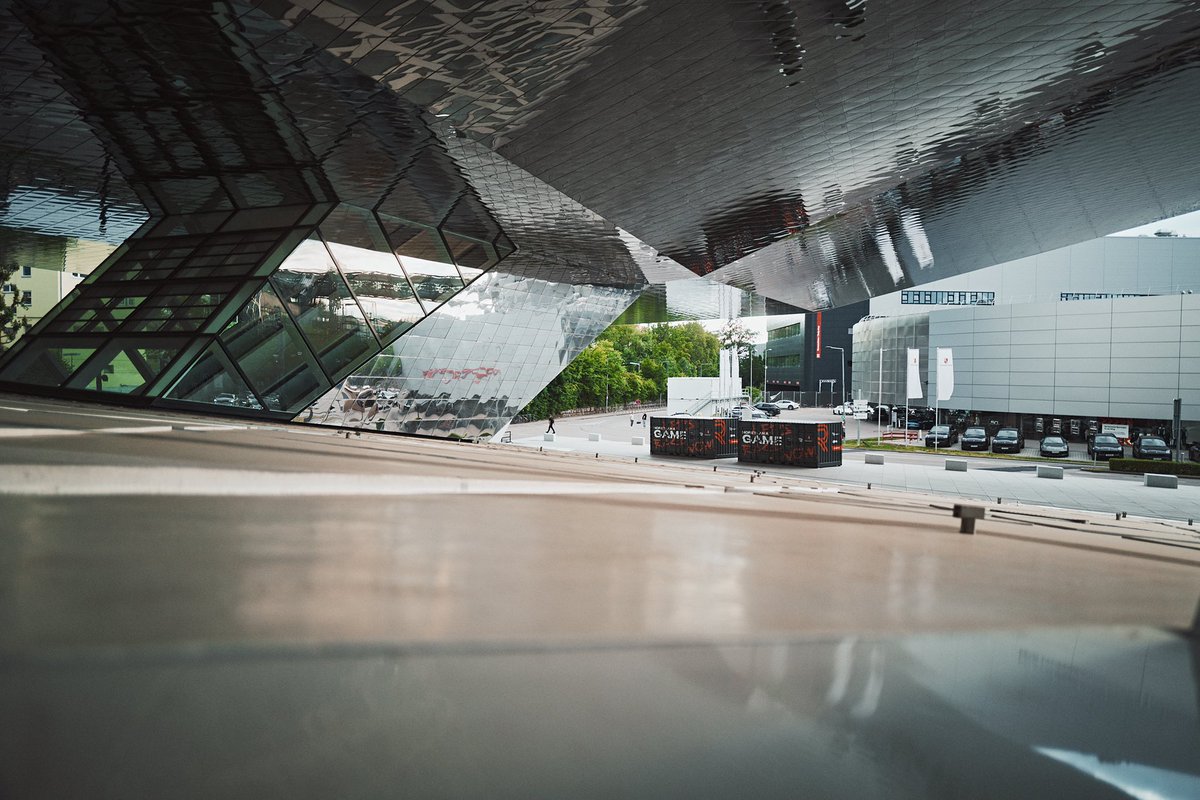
[[627, 363], [12, 318]]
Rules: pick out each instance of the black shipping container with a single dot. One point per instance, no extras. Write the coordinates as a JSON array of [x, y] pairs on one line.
[[797, 444], [694, 437]]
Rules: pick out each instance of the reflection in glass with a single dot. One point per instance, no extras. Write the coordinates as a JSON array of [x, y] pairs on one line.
[[213, 379], [48, 363], [317, 298], [124, 370], [425, 259], [271, 353]]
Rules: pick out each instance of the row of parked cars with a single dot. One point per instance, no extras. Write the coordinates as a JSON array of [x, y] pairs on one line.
[[1100, 446]]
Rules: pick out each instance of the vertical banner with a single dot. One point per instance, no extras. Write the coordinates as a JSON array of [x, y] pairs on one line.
[[945, 373], [818, 334], [914, 373]]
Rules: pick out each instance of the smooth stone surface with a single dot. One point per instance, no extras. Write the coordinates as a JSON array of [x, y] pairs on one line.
[[1046, 471]]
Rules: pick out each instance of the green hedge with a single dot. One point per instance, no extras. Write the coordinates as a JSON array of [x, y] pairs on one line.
[[1159, 467]]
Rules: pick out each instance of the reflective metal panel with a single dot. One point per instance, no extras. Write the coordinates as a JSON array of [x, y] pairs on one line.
[[472, 365]]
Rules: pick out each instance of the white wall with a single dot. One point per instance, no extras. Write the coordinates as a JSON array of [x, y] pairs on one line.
[[1126, 357], [1148, 265]]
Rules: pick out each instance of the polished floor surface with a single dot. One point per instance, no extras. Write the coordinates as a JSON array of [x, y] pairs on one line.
[[189, 609]]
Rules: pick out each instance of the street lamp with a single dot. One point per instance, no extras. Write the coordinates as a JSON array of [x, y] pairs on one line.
[[764, 394], [843, 352]]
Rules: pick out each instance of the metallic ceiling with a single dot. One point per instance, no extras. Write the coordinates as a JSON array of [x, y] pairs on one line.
[[929, 136]]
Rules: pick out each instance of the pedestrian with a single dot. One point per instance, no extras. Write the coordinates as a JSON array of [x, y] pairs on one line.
[[550, 429], [1183, 436], [631, 420], [644, 418]]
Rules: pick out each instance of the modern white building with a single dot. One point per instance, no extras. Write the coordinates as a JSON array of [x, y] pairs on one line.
[[1105, 330]]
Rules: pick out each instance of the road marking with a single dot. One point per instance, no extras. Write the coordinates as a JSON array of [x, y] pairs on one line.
[[41, 480], [23, 433], [12, 408], [26, 433]]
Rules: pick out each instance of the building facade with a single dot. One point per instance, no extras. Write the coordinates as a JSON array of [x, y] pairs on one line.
[[1112, 333], [412, 215]]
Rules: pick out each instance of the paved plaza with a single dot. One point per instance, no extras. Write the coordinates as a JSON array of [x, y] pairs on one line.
[[1012, 481]]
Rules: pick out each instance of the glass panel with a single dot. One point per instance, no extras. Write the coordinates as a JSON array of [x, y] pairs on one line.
[[47, 363], [271, 353], [184, 224], [471, 254], [322, 306], [180, 307], [213, 380], [410, 239], [434, 282], [424, 258], [118, 375], [373, 272]]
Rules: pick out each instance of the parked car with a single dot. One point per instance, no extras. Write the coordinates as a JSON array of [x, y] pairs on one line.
[[787, 405], [770, 409], [975, 438], [746, 412], [1194, 451], [1053, 447], [940, 436], [1103, 446], [1008, 440], [1151, 447]]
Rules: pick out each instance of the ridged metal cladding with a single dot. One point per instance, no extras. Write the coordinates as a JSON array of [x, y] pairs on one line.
[[299, 218], [882, 144]]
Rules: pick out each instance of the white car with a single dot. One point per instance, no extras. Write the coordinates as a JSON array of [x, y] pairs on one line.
[[746, 412], [787, 405]]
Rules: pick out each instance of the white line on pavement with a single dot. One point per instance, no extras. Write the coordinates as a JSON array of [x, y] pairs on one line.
[[48, 480]]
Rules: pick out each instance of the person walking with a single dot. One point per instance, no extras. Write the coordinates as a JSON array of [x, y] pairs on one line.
[[550, 429], [631, 420], [644, 418]]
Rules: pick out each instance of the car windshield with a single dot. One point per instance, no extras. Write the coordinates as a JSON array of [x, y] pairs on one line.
[[975, 432], [1053, 440], [1105, 440], [941, 430], [1153, 442], [1006, 435]]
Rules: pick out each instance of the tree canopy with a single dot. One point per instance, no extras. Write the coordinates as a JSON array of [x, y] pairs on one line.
[[627, 363]]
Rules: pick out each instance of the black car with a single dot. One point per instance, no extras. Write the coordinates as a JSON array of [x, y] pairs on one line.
[[1053, 447], [1194, 451], [1008, 440], [1103, 446], [771, 409], [1151, 447], [940, 436], [976, 439]]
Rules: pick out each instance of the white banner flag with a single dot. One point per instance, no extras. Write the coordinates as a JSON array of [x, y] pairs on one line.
[[945, 373], [914, 373]]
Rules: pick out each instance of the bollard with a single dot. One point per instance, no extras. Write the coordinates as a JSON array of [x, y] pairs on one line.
[[1044, 471], [956, 465], [549, 437], [874, 458], [593, 437], [968, 515]]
